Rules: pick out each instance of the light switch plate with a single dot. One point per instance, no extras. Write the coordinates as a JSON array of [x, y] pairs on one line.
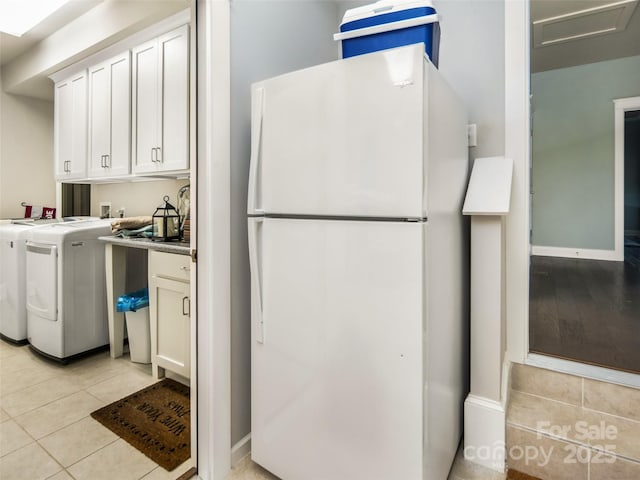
[[471, 135], [105, 209]]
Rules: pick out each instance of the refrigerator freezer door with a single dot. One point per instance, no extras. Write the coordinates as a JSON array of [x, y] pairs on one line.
[[341, 139], [337, 375]]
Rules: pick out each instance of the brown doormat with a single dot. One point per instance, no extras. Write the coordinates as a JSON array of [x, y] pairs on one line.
[[155, 420], [516, 475]]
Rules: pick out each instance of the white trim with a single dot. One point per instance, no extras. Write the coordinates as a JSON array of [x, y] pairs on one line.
[[59, 199], [586, 253], [193, 180], [583, 370], [517, 139], [621, 105], [241, 449], [484, 432], [174, 21], [214, 249]]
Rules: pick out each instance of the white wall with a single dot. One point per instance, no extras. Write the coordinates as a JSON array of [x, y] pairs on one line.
[[137, 198], [267, 38], [472, 60], [26, 154], [573, 152]]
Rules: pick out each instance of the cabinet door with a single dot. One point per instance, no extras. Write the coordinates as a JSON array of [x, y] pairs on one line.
[[78, 166], [62, 129], [99, 119], [119, 162], [71, 127], [173, 325], [110, 117], [174, 88], [145, 105]]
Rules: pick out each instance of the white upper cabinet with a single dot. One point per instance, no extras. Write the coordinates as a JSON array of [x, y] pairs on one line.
[[70, 128], [160, 104], [110, 117], [125, 115]]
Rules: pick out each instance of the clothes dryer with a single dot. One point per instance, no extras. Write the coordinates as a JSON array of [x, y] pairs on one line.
[[66, 289], [13, 307]]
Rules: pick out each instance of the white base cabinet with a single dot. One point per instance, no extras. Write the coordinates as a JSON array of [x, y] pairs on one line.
[[170, 312]]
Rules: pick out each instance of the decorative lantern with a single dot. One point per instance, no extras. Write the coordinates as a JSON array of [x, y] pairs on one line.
[[166, 222]]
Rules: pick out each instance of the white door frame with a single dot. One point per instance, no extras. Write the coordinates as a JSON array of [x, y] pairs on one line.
[[621, 105], [213, 231], [517, 139]]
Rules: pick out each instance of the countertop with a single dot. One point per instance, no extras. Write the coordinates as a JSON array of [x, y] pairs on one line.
[[180, 248]]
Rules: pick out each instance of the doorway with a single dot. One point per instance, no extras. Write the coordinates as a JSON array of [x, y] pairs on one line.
[[632, 187], [584, 278], [76, 199], [586, 309]]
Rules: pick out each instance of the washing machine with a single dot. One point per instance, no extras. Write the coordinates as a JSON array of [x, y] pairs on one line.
[[66, 289], [13, 308]]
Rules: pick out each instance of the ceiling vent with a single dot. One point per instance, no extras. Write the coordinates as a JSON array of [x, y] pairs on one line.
[[589, 22]]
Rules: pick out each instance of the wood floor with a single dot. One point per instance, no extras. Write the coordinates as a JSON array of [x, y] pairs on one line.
[[587, 310]]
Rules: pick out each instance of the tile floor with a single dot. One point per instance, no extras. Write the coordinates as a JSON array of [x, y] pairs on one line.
[[572, 427], [461, 470], [46, 432], [45, 428]]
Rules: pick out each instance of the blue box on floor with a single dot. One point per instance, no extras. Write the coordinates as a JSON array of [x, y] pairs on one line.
[[390, 24]]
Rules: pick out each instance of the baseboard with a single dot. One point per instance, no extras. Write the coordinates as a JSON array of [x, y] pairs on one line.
[[484, 432], [586, 253], [241, 449]]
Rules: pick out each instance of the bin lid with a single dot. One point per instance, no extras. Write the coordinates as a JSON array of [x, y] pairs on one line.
[[131, 302], [383, 7]]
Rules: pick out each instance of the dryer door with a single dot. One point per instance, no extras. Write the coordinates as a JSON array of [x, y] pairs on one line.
[[42, 280]]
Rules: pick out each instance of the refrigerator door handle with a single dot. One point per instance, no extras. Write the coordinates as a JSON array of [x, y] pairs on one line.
[[257, 102], [257, 320]]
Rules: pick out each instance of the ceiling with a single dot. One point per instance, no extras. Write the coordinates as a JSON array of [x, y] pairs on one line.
[[11, 47], [590, 49], [606, 29]]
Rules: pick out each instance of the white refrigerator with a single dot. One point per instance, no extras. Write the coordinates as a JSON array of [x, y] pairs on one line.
[[359, 270]]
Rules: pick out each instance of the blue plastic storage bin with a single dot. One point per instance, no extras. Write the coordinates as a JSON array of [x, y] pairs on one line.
[[131, 302], [390, 24]]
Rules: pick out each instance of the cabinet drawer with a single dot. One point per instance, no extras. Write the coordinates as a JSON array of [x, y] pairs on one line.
[[169, 265]]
